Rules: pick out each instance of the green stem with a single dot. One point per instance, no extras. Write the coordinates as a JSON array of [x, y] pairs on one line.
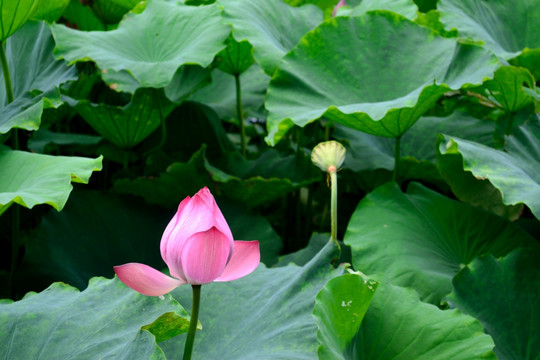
[[16, 211], [9, 91], [188, 349], [509, 123], [333, 206], [240, 113], [7, 75], [163, 125], [397, 156]]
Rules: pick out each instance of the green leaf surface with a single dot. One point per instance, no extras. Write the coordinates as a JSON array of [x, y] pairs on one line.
[[420, 239], [507, 88], [398, 326], [259, 181], [42, 138], [109, 230], [271, 26], [265, 315], [220, 95], [303, 256], [102, 322], [380, 84], [339, 309], [82, 17], [236, 57], [514, 172], [35, 80], [30, 179], [504, 295], [187, 80], [127, 126], [159, 50], [504, 32], [49, 10], [14, 14]]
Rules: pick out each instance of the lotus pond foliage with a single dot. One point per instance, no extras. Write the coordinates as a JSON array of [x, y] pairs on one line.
[[154, 133]]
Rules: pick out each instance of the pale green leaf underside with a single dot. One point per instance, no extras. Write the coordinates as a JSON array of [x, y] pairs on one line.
[[377, 73], [152, 45], [420, 238], [102, 322], [29, 179]]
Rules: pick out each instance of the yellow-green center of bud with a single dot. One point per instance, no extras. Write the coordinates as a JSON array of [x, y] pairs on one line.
[[328, 156]]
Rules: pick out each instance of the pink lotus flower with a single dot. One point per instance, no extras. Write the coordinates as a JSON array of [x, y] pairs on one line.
[[198, 248]]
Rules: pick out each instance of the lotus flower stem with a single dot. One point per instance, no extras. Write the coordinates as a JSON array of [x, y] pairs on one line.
[[397, 156], [333, 205], [188, 349], [240, 113]]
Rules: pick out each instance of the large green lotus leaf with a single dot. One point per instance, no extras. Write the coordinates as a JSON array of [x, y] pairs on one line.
[[398, 326], [49, 10], [507, 88], [106, 321], [109, 230], [265, 315], [420, 239], [35, 80], [220, 95], [504, 295], [514, 172], [339, 309], [504, 32], [152, 45], [14, 14], [126, 126], [406, 8], [271, 26], [30, 179], [377, 73]]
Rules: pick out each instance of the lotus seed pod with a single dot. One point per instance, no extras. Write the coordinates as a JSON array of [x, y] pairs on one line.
[[328, 156]]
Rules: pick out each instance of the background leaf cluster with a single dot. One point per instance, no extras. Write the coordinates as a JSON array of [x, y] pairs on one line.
[[437, 103]]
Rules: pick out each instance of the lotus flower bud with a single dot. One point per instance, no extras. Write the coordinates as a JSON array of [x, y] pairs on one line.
[[328, 156]]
